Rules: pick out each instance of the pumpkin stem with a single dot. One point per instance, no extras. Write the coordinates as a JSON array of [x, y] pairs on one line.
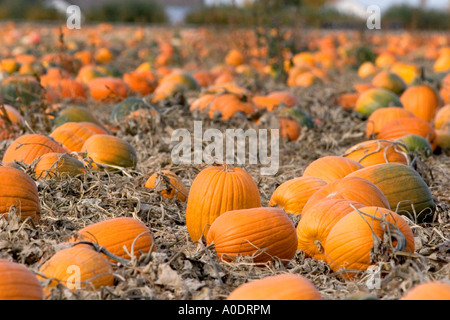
[[101, 249]]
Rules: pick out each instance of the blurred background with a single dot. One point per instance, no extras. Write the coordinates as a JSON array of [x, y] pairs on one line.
[[396, 14]]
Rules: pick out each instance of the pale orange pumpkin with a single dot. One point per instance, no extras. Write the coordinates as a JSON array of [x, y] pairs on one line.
[[331, 168], [18, 283], [422, 100]]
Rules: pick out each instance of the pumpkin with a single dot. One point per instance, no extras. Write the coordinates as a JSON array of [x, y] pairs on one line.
[[168, 89], [422, 100], [216, 190], [11, 113], [317, 222], [202, 103], [366, 70], [382, 116], [53, 165], [142, 82], [234, 58], [29, 147], [25, 88], [350, 244], [292, 195], [262, 102], [350, 188], [78, 114], [69, 89], [374, 99], [389, 81], [110, 150], [399, 127], [182, 78], [288, 98], [347, 100], [126, 107], [227, 105], [331, 168], [371, 152], [403, 187], [168, 184], [289, 128], [385, 60], [72, 135], [261, 233], [18, 283], [92, 268], [89, 72], [443, 138], [119, 236], [19, 190], [408, 72], [108, 89], [297, 114], [433, 290], [279, 287], [415, 143], [442, 118]]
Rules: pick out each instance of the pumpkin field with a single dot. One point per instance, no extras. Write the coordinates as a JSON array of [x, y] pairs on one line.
[[94, 207]]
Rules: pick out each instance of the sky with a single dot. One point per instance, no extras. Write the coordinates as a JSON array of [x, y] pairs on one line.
[[384, 4]]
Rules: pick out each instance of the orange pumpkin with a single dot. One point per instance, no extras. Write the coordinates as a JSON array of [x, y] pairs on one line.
[[279, 287], [292, 195], [119, 236], [422, 100], [108, 89], [168, 184], [216, 190], [29, 147], [389, 81], [331, 168], [227, 105], [72, 135], [317, 222], [261, 233], [142, 82], [350, 242], [371, 152], [18, 283], [382, 116], [433, 290], [442, 118], [19, 190], [53, 165]]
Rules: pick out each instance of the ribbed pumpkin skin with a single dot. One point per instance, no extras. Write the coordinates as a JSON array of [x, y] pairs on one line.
[[382, 116], [114, 234], [95, 269], [316, 223], [52, 165], [292, 195], [400, 183], [18, 189], [350, 188], [350, 241], [72, 135], [28, 147], [110, 150], [374, 99], [423, 101], [214, 191], [175, 187], [18, 283], [399, 127], [372, 152], [331, 168], [435, 290], [278, 287], [245, 232]]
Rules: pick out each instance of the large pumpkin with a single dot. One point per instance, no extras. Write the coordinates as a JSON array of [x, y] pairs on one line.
[[18, 283], [78, 267], [382, 116], [403, 187], [216, 190], [279, 287], [350, 188], [292, 195], [433, 290], [119, 236], [331, 168], [317, 222], [261, 233], [422, 100], [72, 135], [29, 147], [350, 244], [110, 150]]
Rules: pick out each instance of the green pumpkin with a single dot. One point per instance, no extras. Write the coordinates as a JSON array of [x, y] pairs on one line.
[[374, 99], [126, 107], [27, 88], [416, 143], [299, 115]]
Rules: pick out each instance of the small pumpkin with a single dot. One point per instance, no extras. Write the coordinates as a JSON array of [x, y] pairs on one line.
[[415, 143], [108, 89], [374, 99], [110, 150], [18, 283], [422, 100], [168, 184], [216, 190], [261, 233], [279, 287], [350, 242], [389, 81], [53, 165], [442, 118], [292, 195], [226, 106], [331, 168]]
